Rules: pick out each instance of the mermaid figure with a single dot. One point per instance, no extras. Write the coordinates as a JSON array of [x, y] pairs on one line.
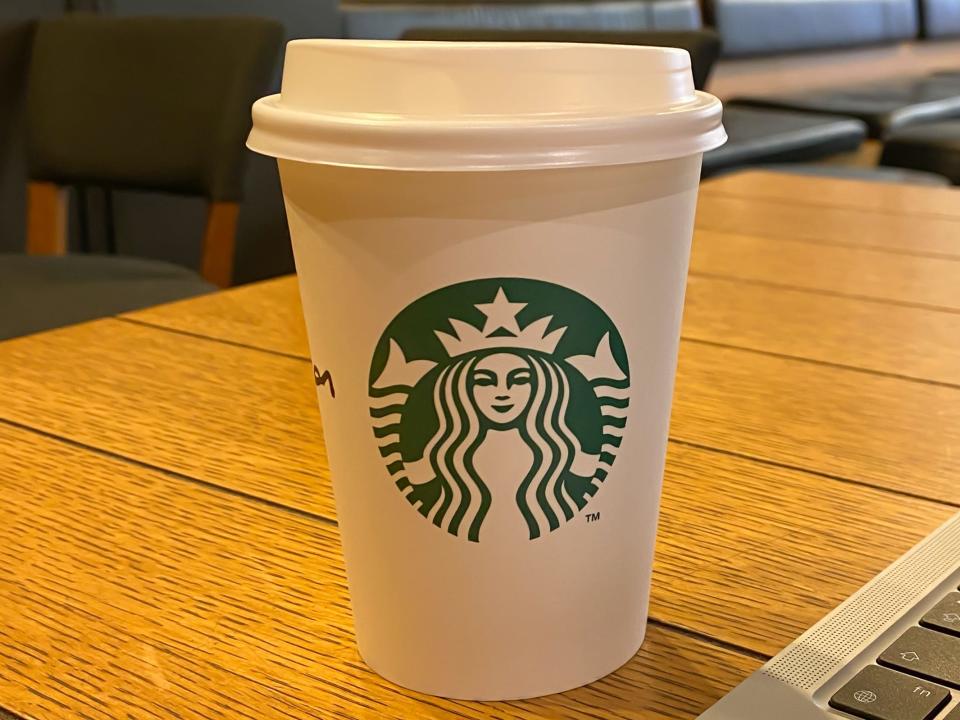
[[503, 452]]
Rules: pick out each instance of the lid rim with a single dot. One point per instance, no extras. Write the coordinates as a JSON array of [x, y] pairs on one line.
[[328, 139], [700, 102]]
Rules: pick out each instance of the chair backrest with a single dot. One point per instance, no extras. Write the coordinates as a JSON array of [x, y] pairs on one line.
[[940, 18], [15, 42], [703, 45], [389, 19], [760, 27], [147, 103]]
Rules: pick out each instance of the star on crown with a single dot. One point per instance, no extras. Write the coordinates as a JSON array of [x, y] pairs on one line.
[[501, 330]]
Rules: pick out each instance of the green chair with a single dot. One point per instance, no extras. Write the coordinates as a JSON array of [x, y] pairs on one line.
[[153, 104]]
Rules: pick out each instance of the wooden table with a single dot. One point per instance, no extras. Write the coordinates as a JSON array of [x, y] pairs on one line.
[[169, 540]]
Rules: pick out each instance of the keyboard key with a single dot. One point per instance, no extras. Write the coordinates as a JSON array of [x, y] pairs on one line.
[[945, 615], [953, 714], [877, 693], [927, 653]]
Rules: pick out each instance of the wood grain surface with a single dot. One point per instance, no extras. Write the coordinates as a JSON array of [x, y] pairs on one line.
[[905, 341], [179, 402], [265, 315], [188, 403], [782, 219], [829, 269], [130, 594], [888, 432], [912, 342], [753, 555], [169, 534], [227, 415], [881, 197]]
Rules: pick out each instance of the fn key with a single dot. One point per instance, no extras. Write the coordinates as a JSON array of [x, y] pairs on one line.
[[877, 693]]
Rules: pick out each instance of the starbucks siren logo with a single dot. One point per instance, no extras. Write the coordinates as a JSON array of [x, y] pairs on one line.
[[499, 402]]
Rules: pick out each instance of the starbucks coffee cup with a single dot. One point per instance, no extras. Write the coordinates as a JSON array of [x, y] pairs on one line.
[[492, 244]]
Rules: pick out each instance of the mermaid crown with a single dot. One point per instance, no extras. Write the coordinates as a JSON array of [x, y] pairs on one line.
[[501, 330]]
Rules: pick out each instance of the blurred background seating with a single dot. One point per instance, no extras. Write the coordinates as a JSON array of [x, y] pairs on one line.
[[761, 137], [933, 148], [154, 225], [798, 45], [883, 106], [389, 19], [158, 104], [760, 27], [940, 18], [817, 84]]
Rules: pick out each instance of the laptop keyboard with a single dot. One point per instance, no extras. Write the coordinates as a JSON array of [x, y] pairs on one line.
[[912, 677]]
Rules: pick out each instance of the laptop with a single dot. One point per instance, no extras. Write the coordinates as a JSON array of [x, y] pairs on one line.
[[889, 652]]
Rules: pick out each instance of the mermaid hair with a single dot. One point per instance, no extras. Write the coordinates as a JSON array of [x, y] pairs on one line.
[[543, 495], [464, 498]]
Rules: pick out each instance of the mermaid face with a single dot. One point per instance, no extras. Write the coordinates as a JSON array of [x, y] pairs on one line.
[[501, 387]]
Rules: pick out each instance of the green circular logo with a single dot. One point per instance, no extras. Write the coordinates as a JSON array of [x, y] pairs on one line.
[[503, 394]]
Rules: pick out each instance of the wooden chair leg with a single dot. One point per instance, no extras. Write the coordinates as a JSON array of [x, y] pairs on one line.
[[219, 241], [47, 205]]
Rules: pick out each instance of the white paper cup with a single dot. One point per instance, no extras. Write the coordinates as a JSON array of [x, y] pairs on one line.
[[492, 244]]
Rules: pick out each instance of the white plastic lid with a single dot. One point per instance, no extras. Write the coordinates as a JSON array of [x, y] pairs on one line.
[[409, 105]]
